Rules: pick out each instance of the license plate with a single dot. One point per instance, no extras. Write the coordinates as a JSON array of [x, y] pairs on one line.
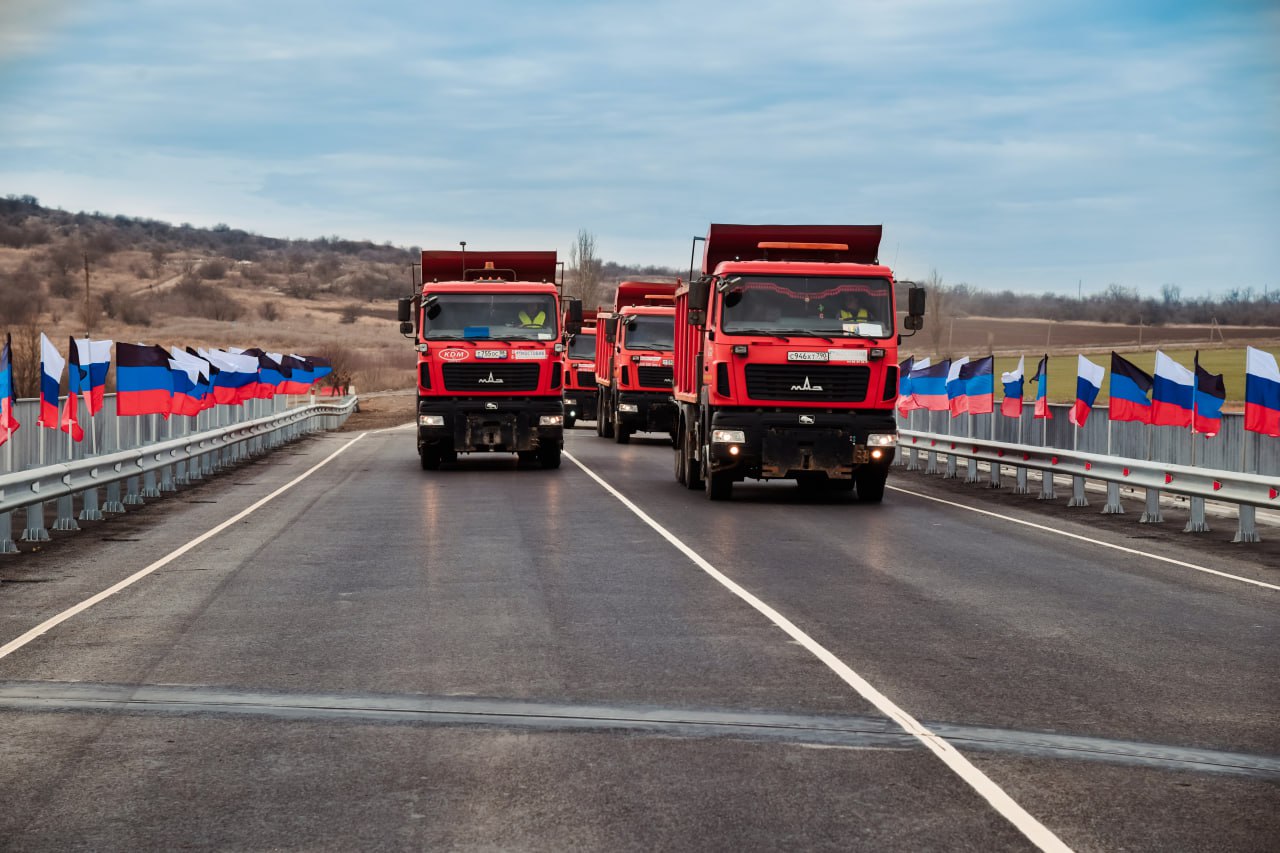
[[491, 353], [806, 355]]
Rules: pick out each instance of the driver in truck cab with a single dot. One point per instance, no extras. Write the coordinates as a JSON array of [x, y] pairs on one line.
[[532, 316], [854, 310]]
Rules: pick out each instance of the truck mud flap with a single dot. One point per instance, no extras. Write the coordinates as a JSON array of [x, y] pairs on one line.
[[788, 452]]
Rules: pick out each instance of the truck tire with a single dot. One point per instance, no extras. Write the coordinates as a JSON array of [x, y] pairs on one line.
[[692, 468], [430, 457], [719, 484], [569, 421], [549, 457], [871, 484], [621, 434], [605, 422], [679, 460]]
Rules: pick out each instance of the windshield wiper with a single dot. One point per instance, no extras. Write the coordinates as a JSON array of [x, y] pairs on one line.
[[768, 333], [808, 334]]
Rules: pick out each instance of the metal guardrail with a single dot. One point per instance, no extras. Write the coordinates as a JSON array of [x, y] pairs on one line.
[[1247, 491], [150, 469]]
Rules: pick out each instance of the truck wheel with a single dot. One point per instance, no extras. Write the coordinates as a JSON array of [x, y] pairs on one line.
[[840, 485], [569, 421], [526, 458], [871, 484], [679, 460], [549, 457], [621, 434], [719, 484], [430, 457], [692, 468], [606, 420]]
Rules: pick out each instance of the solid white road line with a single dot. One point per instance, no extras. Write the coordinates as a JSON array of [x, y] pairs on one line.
[[1184, 564], [45, 626], [1035, 831]]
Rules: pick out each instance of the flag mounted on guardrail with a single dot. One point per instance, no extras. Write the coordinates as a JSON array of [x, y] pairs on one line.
[[8, 423], [189, 374], [957, 393], [1172, 393], [1011, 405], [1042, 390], [1088, 384], [929, 385], [143, 382], [905, 403], [1261, 393], [979, 385], [1130, 387], [51, 364], [1210, 394], [95, 357], [78, 386]]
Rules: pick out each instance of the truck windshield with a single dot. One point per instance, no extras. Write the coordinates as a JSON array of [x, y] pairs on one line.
[[489, 316], [583, 345], [803, 305], [650, 333]]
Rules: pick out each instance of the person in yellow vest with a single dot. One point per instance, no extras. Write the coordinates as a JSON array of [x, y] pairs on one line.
[[853, 310], [532, 316]]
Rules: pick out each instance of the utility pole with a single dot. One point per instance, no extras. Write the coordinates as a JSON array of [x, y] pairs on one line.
[[88, 316]]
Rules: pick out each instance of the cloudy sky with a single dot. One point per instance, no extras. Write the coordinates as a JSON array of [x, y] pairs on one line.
[[1033, 146]]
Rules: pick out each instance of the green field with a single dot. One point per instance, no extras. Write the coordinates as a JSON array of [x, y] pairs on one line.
[[1062, 371]]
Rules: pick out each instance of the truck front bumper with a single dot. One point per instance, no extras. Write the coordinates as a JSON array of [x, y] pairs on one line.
[[646, 411], [792, 444], [580, 403], [479, 424]]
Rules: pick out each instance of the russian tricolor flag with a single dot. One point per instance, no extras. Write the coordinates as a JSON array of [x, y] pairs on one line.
[[929, 385], [1211, 393], [1261, 393], [957, 392], [95, 357], [1011, 405], [1130, 386], [1172, 393], [143, 381], [8, 423], [1042, 409], [979, 385], [1088, 384], [51, 364], [77, 386]]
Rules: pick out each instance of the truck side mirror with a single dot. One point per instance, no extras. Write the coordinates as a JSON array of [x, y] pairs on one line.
[[404, 310], [406, 328], [915, 302], [696, 317], [573, 317], [699, 293]]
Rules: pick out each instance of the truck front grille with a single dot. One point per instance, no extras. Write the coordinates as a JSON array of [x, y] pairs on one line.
[[491, 377], [654, 377], [808, 382]]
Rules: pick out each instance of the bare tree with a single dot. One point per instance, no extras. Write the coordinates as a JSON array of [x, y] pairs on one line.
[[587, 269], [938, 309]]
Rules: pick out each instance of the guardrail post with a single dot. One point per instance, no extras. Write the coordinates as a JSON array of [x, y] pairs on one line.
[[66, 519], [1077, 493], [1047, 492], [90, 510], [113, 503], [166, 479], [180, 477], [1151, 514], [7, 545], [931, 462], [971, 474], [913, 459], [1197, 523], [1020, 486], [1246, 532], [1113, 505], [132, 495], [994, 482], [35, 530], [149, 488], [951, 467]]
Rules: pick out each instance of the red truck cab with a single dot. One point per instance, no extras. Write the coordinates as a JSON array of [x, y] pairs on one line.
[[487, 328], [786, 360], [635, 360], [580, 372]]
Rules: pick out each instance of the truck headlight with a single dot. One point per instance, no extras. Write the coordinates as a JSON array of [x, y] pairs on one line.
[[628, 407], [569, 401], [551, 420], [882, 439], [728, 436], [430, 420]]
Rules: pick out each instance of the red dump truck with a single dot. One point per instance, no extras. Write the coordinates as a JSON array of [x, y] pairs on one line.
[[634, 360], [580, 372], [786, 360], [490, 344]]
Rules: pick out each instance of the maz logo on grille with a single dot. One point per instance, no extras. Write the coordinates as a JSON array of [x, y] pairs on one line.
[[490, 379], [806, 386]]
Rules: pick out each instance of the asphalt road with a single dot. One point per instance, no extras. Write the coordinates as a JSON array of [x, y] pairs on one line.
[[491, 658]]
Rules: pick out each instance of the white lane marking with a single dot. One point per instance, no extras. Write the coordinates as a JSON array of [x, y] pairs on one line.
[[1035, 831], [47, 625], [390, 429], [1099, 542]]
